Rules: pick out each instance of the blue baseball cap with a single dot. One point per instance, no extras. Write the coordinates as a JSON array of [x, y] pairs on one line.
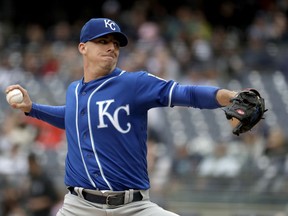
[[97, 27]]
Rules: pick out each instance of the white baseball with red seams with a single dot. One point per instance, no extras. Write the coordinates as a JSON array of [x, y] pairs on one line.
[[14, 96]]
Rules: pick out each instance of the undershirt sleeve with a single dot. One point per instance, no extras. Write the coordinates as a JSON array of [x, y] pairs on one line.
[[197, 96], [54, 115]]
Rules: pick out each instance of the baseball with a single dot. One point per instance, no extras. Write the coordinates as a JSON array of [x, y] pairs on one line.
[[14, 96]]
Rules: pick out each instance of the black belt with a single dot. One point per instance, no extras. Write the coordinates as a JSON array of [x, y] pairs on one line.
[[108, 199]]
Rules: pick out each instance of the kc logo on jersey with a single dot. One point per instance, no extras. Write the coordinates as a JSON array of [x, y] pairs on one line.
[[110, 24], [113, 118]]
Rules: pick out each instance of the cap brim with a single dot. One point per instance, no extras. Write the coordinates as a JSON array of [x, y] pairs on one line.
[[122, 38]]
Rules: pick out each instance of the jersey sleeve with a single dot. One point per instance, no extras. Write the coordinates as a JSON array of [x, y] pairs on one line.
[[54, 115], [153, 91]]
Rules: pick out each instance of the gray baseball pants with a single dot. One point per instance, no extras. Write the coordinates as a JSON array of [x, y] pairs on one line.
[[77, 206]]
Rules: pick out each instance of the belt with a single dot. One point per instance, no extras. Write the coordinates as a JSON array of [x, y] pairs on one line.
[[108, 199]]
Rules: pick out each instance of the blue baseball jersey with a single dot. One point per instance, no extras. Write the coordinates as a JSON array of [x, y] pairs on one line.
[[106, 125]]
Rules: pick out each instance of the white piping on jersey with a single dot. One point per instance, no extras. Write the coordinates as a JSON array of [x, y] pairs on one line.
[[90, 130], [170, 94], [91, 135], [78, 138], [123, 71]]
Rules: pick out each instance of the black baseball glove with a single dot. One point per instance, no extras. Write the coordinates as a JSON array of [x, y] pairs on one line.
[[248, 107]]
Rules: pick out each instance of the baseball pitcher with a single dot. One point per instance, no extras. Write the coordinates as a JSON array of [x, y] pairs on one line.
[[105, 120]]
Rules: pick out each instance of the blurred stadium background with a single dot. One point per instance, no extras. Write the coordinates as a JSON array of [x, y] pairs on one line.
[[197, 167]]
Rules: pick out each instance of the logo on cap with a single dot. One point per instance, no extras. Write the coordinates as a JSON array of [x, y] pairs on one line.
[[110, 23]]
